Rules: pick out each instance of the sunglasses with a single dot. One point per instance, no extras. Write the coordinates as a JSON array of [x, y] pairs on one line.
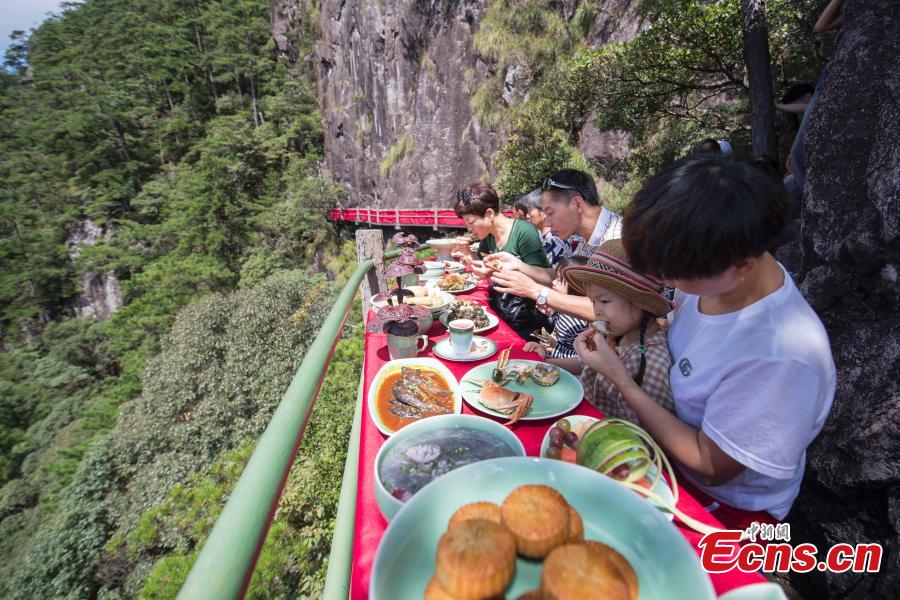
[[464, 197], [550, 183]]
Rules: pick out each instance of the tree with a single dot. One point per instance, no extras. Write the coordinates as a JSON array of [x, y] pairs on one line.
[[759, 74]]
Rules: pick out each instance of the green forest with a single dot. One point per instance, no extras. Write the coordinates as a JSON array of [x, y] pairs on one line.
[[177, 129]]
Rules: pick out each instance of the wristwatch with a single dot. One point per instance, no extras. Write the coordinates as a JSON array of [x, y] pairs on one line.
[[541, 299]]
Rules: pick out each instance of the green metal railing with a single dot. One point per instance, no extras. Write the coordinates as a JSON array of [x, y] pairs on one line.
[[228, 557]]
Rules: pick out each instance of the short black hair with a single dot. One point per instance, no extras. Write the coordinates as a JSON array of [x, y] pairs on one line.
[[574, 260], [708, 145], [797, 91], [475, 199], [578, 183], [701, 215]]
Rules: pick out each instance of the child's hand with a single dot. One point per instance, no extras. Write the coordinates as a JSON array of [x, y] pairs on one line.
[[536, 348], [600, 355]]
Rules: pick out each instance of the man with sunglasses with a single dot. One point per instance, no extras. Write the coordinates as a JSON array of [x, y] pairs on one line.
[[571, 207]]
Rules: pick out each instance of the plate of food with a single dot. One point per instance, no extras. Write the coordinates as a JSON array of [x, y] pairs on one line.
[[508, 526], [423, 451], [434, 299], [407, 390], [454, 283], [562, 440], [482, 348], [521, 389], [466, 309]]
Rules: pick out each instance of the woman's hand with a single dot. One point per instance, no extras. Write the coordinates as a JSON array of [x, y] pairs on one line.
[[602, 357], [515, 283], [509, 262], [536, 348], [481, 271]]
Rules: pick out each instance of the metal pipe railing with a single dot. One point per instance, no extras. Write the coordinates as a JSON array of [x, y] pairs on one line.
[[340, 559], [228, 557], [226, 562]]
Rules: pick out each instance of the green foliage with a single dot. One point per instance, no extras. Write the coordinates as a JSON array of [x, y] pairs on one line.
[[403, 147], [530, 36], [199, 156], [679, 80]]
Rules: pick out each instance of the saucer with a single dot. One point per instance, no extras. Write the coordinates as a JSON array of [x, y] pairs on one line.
[[482, 348]]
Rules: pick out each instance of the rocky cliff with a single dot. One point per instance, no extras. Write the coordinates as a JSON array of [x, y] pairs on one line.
[[99, 295], [850, 257], [395, 80]]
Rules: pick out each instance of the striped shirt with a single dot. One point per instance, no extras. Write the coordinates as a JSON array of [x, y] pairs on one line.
[[606, 397], [608, 227], [555, 247], [565, 330]]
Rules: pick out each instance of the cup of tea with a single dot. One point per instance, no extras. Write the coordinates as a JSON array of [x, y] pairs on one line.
[[405, 346], [461, 332]]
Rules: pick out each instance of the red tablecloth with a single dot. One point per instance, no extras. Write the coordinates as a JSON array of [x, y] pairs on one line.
[[370, 525]]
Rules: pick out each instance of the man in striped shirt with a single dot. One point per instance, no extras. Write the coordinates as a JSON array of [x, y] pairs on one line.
[[572, 207]]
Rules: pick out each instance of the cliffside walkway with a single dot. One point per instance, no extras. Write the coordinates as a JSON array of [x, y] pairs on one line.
[[400, 217]]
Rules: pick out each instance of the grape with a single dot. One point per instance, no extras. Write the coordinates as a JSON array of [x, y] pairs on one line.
[[556, 435], [573, 445], [557, 443], [553, 452], [571, 439], [564, 425]]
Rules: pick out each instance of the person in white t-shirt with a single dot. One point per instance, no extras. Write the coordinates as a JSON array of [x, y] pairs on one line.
[[752, 372]]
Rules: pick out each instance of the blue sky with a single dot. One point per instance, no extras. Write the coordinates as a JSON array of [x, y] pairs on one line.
[[24, 15]]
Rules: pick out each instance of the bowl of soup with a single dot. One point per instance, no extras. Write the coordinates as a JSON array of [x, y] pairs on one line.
[[424, 451]]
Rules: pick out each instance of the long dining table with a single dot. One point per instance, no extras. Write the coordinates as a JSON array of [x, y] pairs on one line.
[[370, 525]]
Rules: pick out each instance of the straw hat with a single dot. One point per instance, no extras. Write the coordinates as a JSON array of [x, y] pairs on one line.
[[609, 268]]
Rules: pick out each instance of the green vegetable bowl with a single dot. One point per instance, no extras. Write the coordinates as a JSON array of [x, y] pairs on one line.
[[666, 565], [388, 504]]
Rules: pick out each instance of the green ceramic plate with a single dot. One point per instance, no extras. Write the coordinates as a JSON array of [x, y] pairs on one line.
[[665, 563], [552, 401]]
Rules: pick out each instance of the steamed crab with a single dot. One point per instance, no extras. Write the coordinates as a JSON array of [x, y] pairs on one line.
[[496, 397]]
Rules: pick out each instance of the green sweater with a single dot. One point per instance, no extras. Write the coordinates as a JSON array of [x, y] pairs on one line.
[[524, 241]]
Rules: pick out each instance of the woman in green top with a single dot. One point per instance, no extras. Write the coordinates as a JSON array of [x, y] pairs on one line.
[[479, 206]]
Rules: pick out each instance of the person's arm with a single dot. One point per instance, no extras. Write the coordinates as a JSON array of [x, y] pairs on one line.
[[519, 284], [831, 17], [690, 447], [542, 275], [796, 108]]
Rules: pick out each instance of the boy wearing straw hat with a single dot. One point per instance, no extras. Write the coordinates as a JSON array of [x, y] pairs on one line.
[[627, 305], [752, 377]]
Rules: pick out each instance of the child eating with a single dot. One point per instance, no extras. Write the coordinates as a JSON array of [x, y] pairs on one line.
[[626, 305]]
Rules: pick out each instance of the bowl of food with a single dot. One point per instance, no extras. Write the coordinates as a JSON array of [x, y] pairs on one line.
[[407, 390], [429, 297], [423, 451], [461, 309], [661, 564], [444, 246], [454, 283], [435, 269]]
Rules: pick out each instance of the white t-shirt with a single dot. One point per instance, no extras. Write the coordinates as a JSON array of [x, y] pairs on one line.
[[759, 382]]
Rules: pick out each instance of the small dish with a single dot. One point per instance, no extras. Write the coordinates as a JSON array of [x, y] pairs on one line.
[[661, 488], [482, 348]]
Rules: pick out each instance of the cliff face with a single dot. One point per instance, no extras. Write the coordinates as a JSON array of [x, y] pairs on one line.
[[850, 256], [395, 80], [100, 295], [394, 86]]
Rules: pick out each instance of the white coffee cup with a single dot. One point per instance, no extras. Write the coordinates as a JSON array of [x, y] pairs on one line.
[[461, 332]]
